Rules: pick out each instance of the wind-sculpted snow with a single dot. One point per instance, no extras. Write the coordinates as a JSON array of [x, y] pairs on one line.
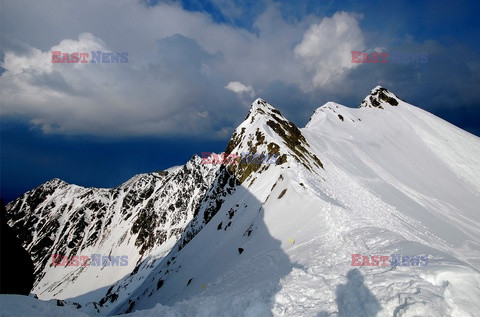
[[384, 179]]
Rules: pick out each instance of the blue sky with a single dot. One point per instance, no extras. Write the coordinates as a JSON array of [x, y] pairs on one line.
[[195, 66]]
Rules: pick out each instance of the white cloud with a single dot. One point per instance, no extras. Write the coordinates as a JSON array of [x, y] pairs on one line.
[[239, 88], [178, 64], [325, 50]]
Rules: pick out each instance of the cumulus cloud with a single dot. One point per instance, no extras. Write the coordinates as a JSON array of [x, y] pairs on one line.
[[178, 64], [164, 95], [239, 88], [325, 50]]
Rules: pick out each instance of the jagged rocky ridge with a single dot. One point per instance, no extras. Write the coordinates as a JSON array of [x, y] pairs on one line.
[[266, 131], [254, 135], [148, 215], [363, 196], [142, 215], [379, 98]]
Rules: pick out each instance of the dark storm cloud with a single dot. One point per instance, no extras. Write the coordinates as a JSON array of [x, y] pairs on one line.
[[182, 56]]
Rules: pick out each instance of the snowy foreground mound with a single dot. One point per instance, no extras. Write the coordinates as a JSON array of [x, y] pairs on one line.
[[309, 236]]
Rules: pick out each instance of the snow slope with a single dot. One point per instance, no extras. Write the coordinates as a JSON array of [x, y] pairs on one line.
[[391, 184], [19, 305], [386, 178], [141, 219]]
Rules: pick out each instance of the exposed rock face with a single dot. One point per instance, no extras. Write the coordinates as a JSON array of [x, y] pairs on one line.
[[148, 213], [265, 131], [16, 265], [379, 98]]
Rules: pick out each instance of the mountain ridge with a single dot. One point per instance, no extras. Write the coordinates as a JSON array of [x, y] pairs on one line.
[[388, 181]]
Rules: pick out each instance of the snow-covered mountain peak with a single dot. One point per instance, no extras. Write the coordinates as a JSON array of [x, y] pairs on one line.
[[262, 107], [53, 183], [56, 182], [265, 131], [259, 114], [380, 98], [402, 185], [329, 109]]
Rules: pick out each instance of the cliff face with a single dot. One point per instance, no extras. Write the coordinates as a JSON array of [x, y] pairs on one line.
[[146, 215], [16, 266]]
